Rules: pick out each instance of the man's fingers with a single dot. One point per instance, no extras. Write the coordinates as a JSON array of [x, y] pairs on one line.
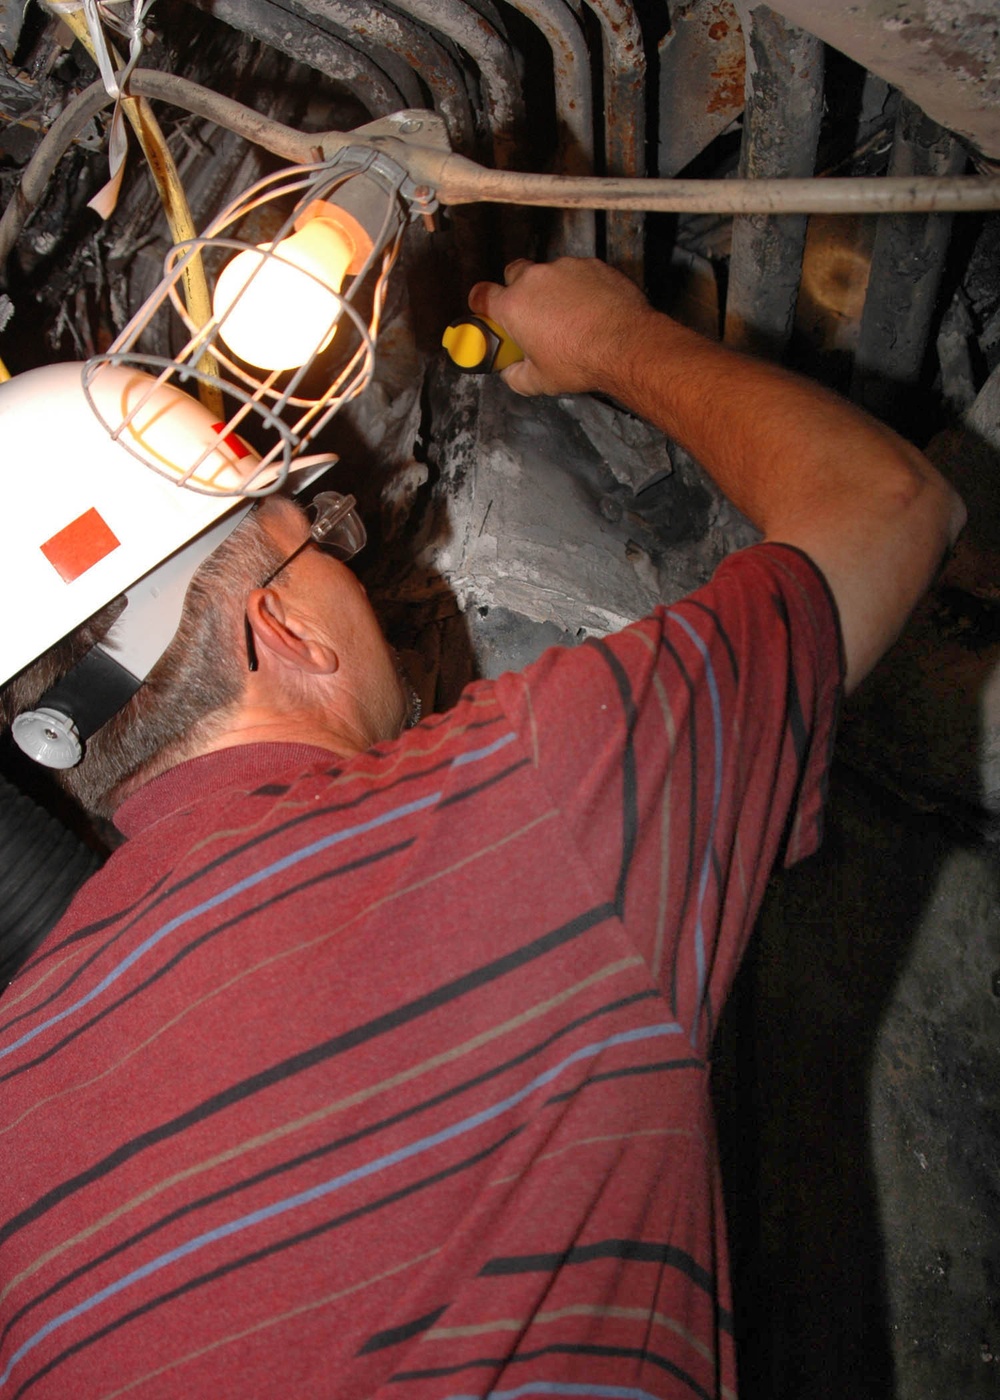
[[482, 295], [479, 297], [515, 269], [521, 378]]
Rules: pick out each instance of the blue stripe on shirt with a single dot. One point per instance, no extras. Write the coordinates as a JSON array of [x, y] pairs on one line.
[[326, 1188]]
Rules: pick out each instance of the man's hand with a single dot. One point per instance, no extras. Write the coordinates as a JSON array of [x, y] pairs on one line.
[[808, 468], [570, 317]]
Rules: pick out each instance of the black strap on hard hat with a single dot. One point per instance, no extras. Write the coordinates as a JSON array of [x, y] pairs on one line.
[[55, 731], [97, 688]]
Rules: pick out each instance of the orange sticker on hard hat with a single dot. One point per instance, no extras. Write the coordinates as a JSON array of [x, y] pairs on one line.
[[80, 545], [236, 445]]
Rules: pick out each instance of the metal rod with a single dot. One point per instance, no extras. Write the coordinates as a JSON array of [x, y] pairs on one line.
[[907, 267], [781, 121], [574, 107], [492, 56], [624, 124], [458, 180]]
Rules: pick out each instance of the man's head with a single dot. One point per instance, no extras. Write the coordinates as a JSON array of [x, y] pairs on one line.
[[325, 673], [324, 668], [89, 524]]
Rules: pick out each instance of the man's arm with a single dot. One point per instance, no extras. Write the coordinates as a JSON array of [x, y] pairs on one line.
[[807, 468]]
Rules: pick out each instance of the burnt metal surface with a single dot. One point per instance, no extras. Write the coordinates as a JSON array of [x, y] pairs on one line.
[[944, 54], [624, 58], [298, 39], [702, 64], [477, 37], [780, 136], [908, 263], [378, 30]]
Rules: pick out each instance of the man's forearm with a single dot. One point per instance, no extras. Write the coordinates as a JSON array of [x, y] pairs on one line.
[[809, 469]]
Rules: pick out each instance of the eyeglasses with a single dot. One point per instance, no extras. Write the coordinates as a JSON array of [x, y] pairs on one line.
[[336, 527]]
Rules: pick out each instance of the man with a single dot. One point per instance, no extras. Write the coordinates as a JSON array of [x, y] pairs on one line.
[[375, 1063]]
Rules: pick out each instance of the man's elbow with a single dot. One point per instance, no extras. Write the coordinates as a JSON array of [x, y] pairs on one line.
[[913, 521], [928, 508]]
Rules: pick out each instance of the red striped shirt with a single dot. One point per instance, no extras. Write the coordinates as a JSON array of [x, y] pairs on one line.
[[388, 1077]]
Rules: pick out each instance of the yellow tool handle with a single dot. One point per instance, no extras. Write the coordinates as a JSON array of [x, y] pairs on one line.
[[478, 345]]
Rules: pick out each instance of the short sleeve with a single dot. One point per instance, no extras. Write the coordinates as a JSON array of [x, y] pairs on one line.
[[688, 754]]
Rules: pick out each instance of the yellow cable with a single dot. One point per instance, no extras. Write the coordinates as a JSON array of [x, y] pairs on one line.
[[175, 206], [4, 373]]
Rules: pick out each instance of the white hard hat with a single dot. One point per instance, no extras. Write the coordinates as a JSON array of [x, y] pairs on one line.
[[84, 520]]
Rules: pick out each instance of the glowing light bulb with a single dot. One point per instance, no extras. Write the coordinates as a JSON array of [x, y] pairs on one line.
[[277, 312]]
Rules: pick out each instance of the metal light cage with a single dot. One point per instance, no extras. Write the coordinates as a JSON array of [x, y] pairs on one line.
[[279, 399]]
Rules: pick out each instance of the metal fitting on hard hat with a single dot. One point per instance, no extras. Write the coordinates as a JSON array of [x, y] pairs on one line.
[[85, 522]]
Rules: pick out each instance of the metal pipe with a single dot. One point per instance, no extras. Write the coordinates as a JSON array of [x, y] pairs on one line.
[[574, 108], [905, 275], [298, 39], [414, 45], [784, 106], [479, 39], [624, 122], [458, 180], [43, 163]]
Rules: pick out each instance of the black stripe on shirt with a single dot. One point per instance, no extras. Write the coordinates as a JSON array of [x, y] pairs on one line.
[[477, 788], [626, 1073], [642, 1354], [630, 802], [720, 632], [77, 936], [637, 1251], [793, 704], [393, 1336], [307, 1059], [253, 843], [314, 1154], [184, 952], [311, 815], [276, 1247]]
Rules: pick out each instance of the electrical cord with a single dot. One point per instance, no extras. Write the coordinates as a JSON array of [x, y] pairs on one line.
[[167, 181]]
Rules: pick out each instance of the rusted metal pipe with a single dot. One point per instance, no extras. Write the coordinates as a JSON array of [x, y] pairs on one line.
[[475, 36], [298, 39], [624, 122], [574, 107], [414, 45], [784, 105], [907, 266]]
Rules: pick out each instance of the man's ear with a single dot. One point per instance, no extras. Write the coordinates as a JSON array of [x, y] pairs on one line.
[[285, 635]]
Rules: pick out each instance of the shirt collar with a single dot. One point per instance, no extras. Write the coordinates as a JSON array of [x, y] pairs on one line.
[[244, 766]]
